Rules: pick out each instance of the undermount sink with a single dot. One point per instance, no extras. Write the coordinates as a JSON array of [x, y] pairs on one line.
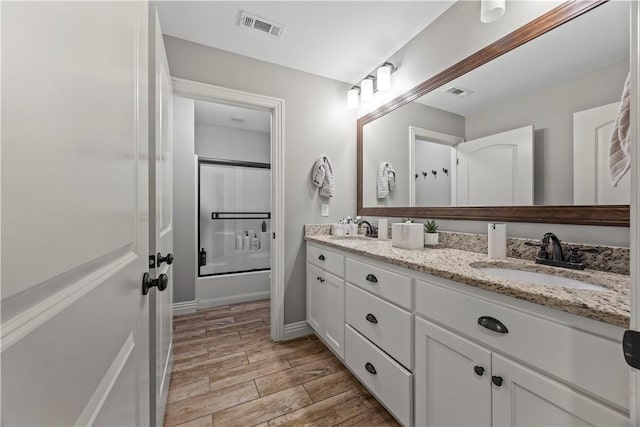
[[540, 278]]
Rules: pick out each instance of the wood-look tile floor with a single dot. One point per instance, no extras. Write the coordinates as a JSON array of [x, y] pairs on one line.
[[228, 372]]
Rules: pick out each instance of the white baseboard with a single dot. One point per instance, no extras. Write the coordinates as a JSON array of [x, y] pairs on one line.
[[186, 307], [235, 299], [296, 330]]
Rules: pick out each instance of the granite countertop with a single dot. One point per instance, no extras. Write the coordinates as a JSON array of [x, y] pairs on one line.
[[611, 306]]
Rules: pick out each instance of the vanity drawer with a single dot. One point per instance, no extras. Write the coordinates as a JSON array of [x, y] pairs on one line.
[[588, 361], [383, 283], [386, 379], [325, 259], [387, 326]]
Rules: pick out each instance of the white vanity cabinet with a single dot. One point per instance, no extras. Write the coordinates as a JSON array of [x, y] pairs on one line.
[[458, 382], [325, 296]]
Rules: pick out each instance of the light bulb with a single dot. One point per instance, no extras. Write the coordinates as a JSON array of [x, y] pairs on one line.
[[366, 87], [352, 98], [491, 10], [383, 78]]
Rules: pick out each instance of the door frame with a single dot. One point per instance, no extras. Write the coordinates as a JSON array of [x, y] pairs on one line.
[[212, 93], [437, 138], [635, 204]]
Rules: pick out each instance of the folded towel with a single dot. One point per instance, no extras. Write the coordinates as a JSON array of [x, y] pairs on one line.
[[328, 188], [322, 176], [386, 181], [619, 146]]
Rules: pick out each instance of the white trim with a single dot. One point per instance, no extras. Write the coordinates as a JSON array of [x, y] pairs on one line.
[[438, 138], [207, 92], [185, 307], [38, 314], [93, 407], [296, 330], [234, 299]]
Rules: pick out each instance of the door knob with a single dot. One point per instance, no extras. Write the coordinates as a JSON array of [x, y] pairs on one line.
[[168, 259], [147, 283]]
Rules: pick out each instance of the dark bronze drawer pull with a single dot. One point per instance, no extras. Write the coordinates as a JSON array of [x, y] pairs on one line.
[[371, 318], [321, 257], [492, 324], [371, 278], [370, 368]]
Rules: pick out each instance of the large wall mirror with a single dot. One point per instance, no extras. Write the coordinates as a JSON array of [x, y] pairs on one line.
[[517, 132]]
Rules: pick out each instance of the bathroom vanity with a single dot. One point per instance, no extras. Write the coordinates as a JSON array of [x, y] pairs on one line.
[[439, 342]]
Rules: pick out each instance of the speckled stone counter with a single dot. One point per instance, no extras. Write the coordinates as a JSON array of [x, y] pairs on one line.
[[611, 305]]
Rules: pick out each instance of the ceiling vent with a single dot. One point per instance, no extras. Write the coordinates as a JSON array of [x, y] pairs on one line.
[[459, 91], [248, 20]]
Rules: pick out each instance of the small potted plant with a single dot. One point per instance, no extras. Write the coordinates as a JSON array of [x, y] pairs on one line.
[[430, 233]]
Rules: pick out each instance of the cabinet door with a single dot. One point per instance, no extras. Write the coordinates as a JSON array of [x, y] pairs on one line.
[[528, 398], [334, 312], [452, 379], [315, 299]]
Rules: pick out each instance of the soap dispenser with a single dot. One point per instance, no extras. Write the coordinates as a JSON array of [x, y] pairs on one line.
[[246, 241], [255, 243]]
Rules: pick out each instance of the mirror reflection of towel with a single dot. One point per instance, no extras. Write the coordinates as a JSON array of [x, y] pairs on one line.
[[619, 146], [386, 181]]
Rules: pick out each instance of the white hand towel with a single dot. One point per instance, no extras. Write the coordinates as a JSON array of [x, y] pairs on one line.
[[391, 172], [382, 183], [619, 146], [318, 172], [328, 188]]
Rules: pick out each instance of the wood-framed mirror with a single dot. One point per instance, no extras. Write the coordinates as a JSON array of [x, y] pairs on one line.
[[432, 121]]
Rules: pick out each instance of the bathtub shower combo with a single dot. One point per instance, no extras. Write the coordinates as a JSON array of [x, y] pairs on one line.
[[234, 232]]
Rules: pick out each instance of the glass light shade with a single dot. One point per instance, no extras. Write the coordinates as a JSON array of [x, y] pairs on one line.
[[352, 99], [366, 87], [383, 78], [491, 10]]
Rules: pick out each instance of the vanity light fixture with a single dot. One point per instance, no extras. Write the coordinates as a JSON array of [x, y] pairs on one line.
[[352, 98], [366, 89], [491, 10], [383, 76], [371, 84]]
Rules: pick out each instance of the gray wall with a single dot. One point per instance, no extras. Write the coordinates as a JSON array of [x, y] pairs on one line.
[[316, 122], [218, 142], [550, 111], [184, 200], [387, 140]]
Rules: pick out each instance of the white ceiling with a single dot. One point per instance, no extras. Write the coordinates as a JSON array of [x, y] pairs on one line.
[[342, 40], [593, 41], [209, 113]]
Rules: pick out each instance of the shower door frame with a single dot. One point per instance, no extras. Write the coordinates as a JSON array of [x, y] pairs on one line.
[[207, 92], [238, 163]]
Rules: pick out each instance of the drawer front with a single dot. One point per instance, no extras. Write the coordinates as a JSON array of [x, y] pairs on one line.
[[590, 362], [383, 283], [388, 381], [386, 325], [325, 259]]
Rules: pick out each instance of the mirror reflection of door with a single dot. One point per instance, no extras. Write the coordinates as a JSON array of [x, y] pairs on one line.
[[592, 130], [496, 170]]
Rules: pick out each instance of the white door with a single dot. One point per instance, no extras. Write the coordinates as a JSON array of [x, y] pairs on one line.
[[75, 226], [528, 398], [591, 135], [496, 170], [334, 308], [315, 299], [161, 225], [452, 378]]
